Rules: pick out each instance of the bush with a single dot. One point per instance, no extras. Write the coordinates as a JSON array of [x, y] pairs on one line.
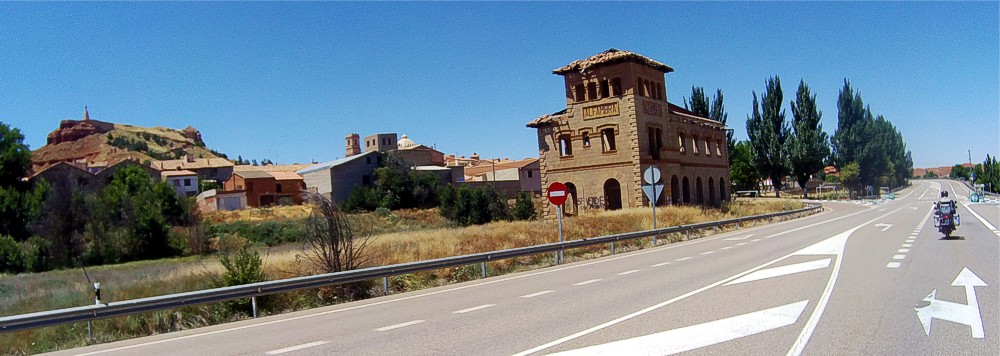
[[243, 265], [468, 206], [10, 256], [269, 233], [524, 207], [35, 254], [362, 198]]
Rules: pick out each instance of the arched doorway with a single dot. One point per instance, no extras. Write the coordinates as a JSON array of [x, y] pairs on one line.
[[675, 191], [612, 195], [722, 190], [687, 191], [700, 190], [711, 192], [573, 205]]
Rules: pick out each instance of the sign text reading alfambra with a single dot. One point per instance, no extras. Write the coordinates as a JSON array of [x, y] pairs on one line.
[[604, 110]]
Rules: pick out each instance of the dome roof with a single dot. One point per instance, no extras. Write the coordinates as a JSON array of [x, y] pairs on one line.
[[405, 142]]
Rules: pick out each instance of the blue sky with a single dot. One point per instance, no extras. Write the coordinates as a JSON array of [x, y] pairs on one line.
[[287, 81]]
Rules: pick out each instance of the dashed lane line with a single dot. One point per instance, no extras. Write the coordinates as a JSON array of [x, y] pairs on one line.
[[660, 264], [898, 257], [296, 348], [481, 307], [628, 272], [892, 265], [400, 325], [532, 295], [586, 282]]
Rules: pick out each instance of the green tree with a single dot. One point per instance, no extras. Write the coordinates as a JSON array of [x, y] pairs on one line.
[[959, 171], [699, 102], [808, 145], [742, 171], [524, 207], [768, 132], [849, 176], [718, 113], [851, 119], [19, 201]]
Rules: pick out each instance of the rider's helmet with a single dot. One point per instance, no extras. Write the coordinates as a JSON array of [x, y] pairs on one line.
[[944, 193]]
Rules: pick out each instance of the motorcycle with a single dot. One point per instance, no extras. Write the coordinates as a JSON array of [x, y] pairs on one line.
[[946, 219]]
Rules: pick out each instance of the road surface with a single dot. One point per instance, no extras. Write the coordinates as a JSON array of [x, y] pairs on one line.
[[855, 279]]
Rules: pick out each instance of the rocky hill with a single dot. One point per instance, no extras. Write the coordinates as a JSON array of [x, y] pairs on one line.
[[97, 143]]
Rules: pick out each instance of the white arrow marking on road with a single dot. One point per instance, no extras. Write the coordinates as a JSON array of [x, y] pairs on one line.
[[967, 314], [883, 226], [701, 335], [783, 270], [739, 238]]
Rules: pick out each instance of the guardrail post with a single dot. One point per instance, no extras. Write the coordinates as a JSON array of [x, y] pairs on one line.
[[687, 235], [253, 302], [385, 285], [612, 247], [715, 230], [90, 331], [482, 266]]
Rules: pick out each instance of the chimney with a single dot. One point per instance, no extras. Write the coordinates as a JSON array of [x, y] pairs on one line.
[[353, 145]]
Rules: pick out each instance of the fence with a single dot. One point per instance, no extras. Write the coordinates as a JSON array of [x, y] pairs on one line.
[[127, 307]]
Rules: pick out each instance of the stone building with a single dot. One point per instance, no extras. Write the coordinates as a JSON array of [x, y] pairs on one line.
[[617, 122]]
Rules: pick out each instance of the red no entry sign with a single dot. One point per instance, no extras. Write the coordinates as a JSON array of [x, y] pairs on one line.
[[557, 193]]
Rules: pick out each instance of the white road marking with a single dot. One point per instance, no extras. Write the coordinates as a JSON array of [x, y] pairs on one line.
[[741, 244], [967, 314], [898, 257], [987, 223], [697, 336], [903, 250], [627, 272], [882, 225], [783, 270], [892, 265], [726, 248], [532, 295], [708, 252], [683, 258], [484, 306], [816, 224], [907, 245], [754, 240], [586, 282], [909, 241], [739, 238], [660, 264], [835, 244], [400, 325], [296, 348]]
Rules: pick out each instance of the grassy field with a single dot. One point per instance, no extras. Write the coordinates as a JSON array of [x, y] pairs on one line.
[[402, 236]]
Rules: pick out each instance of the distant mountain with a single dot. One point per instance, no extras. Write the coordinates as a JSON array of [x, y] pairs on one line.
[[96, 143]]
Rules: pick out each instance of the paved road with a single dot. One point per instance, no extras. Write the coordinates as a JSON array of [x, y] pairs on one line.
[[855, 279]]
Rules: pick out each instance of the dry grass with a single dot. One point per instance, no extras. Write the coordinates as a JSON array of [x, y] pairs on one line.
[[292, 212], [415, 235]]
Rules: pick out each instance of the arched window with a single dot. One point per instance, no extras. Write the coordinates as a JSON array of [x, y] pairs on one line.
[[675, 191], [586, 139], [700, 191], [565, 146], [687, 191], [711, 192]]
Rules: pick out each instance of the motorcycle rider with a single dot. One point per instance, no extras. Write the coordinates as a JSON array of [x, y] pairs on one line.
[[950, 204]]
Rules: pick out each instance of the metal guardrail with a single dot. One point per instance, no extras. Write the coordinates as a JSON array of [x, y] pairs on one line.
[[134, 306]]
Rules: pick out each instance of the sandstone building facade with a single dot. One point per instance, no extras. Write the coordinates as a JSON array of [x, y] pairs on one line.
[[617, 122]]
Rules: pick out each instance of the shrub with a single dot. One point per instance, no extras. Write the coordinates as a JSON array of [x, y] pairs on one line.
[[35, 254], [10, 256], [269, 233], [524, 207], [362, 198], [243, 265]]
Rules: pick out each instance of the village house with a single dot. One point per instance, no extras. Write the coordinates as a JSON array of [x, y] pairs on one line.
[[214, 169], [184, 182], [265, 189], [509, 176], [617, 122]]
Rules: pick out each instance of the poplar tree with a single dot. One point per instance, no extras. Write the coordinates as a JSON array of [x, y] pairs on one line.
[[699, 102], [718, 113], [768, 132], [808, 145]]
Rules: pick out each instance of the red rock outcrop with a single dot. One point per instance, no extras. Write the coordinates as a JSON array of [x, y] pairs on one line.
[[72, 130]]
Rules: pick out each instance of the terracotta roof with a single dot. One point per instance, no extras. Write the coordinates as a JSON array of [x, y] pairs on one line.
[[285, 175], [199, 163], [180, 173], [271, 168], [546, 120], [684, 112], [253, 174], [487, 167], [608, 57]]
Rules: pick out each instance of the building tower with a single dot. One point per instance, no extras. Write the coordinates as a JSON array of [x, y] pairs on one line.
[[353, 145], [617, 123]]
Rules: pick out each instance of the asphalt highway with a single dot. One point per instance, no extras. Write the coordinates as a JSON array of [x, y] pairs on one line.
[[857, 278]]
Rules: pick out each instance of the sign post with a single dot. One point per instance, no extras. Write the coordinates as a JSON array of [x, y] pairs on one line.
[[557, 193], [653, 191]]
